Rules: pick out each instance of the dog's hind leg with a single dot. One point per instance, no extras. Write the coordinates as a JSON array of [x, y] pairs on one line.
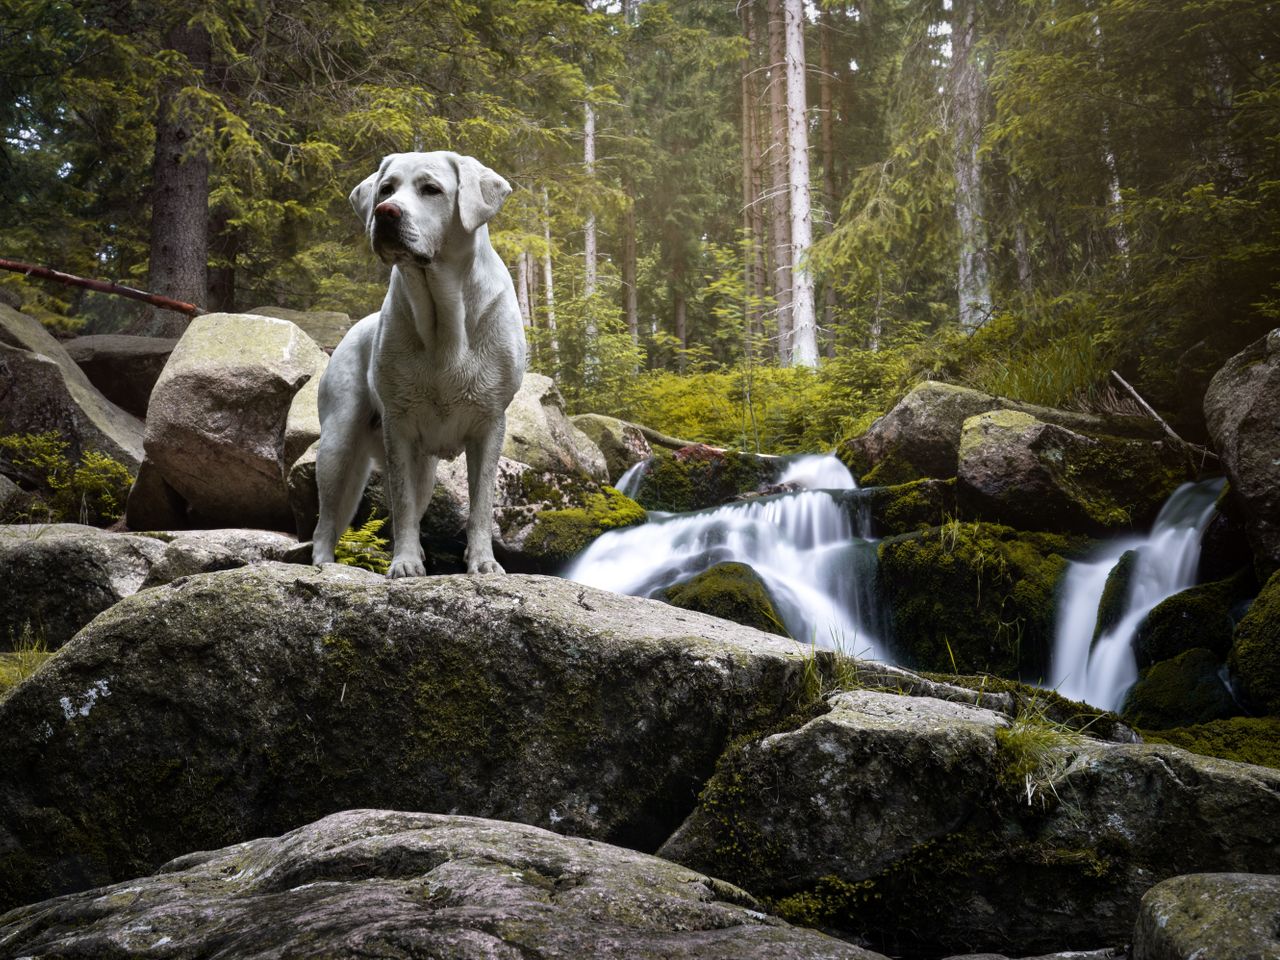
[[343, 463], [406, 468], [482, 467]]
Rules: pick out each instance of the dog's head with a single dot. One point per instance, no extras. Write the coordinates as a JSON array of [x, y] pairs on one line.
[[416, 203]]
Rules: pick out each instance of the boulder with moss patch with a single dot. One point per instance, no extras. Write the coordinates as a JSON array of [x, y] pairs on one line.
[[1019, 470], [377, 883], [973, 597], [243, 703], [540, 433], [1201, 616], [1115, 594], [1210, 915], [730, 591], [1180, 692], [1243, 739], [929, 828], [1255, 650], [697, 477], [623, 444], [902, 508]]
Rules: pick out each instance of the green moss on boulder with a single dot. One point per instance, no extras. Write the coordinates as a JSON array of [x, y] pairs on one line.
[[730, 591], [1198, 617], [697, 477], [559, 535], [1180, 692], [906, 507], [1243, 739], [973, 597], [1255, 651], [1115, 593]]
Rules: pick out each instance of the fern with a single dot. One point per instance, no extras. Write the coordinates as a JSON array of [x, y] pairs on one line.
[[364, 548], [92, 490]]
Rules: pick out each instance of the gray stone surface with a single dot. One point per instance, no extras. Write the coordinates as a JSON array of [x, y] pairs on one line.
[[541, 435], [325, 327], [1242, 410], [188, 552], [123, 368], [217, 422], [247, 702], [380, 884], [623, 444], [1205, 916], [42, 389]]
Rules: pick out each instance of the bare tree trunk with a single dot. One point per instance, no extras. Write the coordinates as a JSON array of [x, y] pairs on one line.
[[804, 350], [973, 279], [630, 304], [548, 283], [179, 195], [681, 323], [522, 288], [826, 98], [589, 229], [750, 319], [780, 225]]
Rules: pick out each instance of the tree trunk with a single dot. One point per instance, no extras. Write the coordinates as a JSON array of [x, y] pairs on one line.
[[972, 280], [780, 225], [522, 288], [589, 229], [548, 283], [630, 305], [681, 323], [179, 196], [804, 350], [750, 308], [826, 99]]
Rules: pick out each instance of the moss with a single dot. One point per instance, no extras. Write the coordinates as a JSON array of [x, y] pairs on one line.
[[973, 597], [1049, 705], [1175, 693], [698, 477], [558, 535], [1243, 739], [1199, 617], [1119, 483], [1255, 650], [892, 470], [906, 507], [730, 591], [1115, 594]]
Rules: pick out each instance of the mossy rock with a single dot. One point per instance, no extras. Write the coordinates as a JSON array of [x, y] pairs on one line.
[[1181, 692], [1255, 650], [1115, 594], [697, 477], [1243, 739], [974, 597], [1202, 616], [559, 535], [904, 507], [730, 591]]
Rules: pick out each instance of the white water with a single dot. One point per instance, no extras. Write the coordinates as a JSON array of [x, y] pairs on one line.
[[1101, 673], [819, 569]]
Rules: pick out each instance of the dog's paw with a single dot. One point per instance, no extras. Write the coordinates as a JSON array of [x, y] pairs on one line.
[[406, 567], [485, 566]]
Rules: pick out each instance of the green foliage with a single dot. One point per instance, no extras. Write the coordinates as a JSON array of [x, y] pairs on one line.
[[27, 653], [1035, 752], [559, 535], [91, 490], [1244, 739], [363, 547]]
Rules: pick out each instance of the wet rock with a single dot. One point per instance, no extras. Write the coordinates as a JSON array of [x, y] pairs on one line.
[[730, 591], [1203, 616], [623, 444], [1180, 692], [244, 703], [1115, 594], [123, 368], [697, 477], [375, 883], [1234, 915]]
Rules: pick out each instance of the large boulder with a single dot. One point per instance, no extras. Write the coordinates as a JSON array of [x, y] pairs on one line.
[[124, 368], [901, 508], [1184, 691], [1022, 471], [1242, 410], [1210, 915], [58, 577], [1255, 650], [188, 552], [244, 703], [325, 327], [623, 444], [540, 434], [1201, 616], [697, 477], [42, 390], [920, 436], [217, 420], [375, 883], [931, 827]]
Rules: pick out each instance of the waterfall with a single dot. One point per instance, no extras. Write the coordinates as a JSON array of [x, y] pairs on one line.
[[819, 569], [629, 482], [1100, 672]]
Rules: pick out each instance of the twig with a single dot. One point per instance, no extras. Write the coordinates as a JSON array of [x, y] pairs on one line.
[[102, 286], [1188, 448]]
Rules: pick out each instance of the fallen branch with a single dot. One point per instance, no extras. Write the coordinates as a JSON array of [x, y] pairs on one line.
[[1189, 448], [102, 286]]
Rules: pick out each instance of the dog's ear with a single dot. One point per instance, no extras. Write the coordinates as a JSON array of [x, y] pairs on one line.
[[480, 193], [362, 197]]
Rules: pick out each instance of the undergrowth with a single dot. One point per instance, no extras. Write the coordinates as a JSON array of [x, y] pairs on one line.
[[363, 547], [92, 490], [29, 653]]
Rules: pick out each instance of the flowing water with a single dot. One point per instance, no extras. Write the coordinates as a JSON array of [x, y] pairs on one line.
[[808, 547], [1100, 672]]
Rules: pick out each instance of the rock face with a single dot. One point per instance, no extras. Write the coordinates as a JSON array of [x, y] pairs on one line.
[[1018, 470], [730, 591], [1234, 915], [1255, 650], [920, 436], [42, 389], [1179, 692], [189, 552], [933, 827], [240, 704], [374, 883], [325, 327], [623, 444], [58, 577], [124, 369], [697, 477], [541, 435], [1242, 410], [217, 419], [1203, 616]]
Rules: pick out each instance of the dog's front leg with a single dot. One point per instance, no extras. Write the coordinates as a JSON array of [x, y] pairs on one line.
[[402, 495], [482, 468]]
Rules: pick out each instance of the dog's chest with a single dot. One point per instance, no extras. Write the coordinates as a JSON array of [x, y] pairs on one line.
[[441, 409]]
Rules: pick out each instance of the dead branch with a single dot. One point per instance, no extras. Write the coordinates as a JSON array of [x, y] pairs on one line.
[[102, 286]]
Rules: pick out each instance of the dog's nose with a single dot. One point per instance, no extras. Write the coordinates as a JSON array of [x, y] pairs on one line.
[[387, 211]]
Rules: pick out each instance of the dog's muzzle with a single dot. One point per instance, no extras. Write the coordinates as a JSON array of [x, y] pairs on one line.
[[389, 240]]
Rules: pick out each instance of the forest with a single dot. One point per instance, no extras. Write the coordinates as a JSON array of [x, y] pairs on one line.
[[750, 223]]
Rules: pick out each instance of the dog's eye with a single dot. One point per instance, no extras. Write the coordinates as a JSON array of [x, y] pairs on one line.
[[385, 189], [430, 190]]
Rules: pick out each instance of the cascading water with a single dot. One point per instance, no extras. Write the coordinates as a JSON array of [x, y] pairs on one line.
[[1100, 672], [809, 549]]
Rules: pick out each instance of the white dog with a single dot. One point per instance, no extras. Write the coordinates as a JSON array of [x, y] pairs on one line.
[[431, 374]]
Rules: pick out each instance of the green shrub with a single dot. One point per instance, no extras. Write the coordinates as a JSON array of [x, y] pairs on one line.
[[92, 490], [364, 548]]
